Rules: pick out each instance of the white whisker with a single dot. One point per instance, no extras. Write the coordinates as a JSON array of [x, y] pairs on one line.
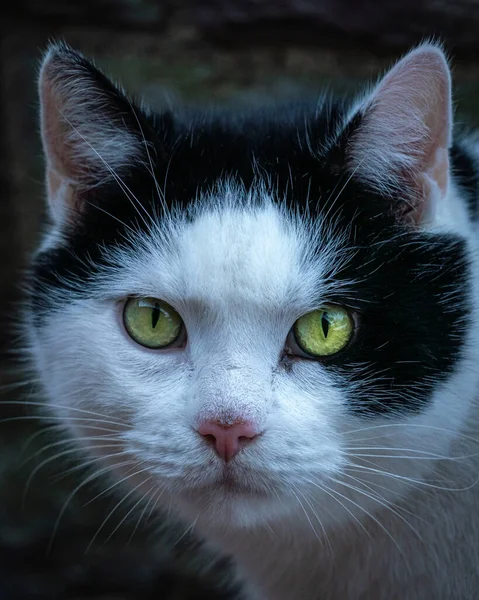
[[378, 500], [416, 482], [53, 458], [328, 491], [316, 535], [187, 530], [151, 500], [110, 437], [374, 519], [116, 507], [85, 482], [118, 482], [139, 501]]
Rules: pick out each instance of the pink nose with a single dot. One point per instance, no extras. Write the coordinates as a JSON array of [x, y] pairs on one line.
[[227, 439]]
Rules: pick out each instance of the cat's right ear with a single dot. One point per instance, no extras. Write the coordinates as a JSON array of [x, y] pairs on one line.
[[90, 130], [403, 132]]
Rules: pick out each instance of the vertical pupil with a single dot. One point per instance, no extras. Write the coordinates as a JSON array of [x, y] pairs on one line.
[[155, 316], [325, 324]]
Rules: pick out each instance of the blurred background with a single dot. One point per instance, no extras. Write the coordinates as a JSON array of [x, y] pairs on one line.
[[197, 50]]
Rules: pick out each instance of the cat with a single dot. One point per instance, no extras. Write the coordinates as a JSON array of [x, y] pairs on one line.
[[267, 319]]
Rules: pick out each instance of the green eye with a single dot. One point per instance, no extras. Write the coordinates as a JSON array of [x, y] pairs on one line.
[[324, 332], [151, 322]]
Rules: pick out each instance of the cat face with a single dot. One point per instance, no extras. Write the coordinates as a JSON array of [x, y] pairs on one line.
[[237, 312]]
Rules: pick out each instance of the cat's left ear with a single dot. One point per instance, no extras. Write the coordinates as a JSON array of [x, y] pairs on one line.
[[91, 132], [404, 131]]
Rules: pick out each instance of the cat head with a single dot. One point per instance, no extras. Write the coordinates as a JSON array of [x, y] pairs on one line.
[[235, 308]]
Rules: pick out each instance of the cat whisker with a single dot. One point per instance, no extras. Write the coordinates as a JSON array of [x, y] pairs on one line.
[[378, 500], [423, 458], [151, 500], [316, 516], [62, 422], [15, 385], [46, 429], [328, 491], [408, 426], [85, 482], [338, 195], [418, 456], [109, 214], [430, 466], [117, 506], [137, 503], [85, 464], [417, 482], [187, 531], [161, 195], [161, 491], [375, 520], [54, 458], [109, 437], [166, 175], [60, 406], [316, 535], [374, 489], [118, 482], [396, 448]]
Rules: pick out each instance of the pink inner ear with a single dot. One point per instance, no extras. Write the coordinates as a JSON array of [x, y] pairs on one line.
[[406, 127], [55, 130], [85, 135]]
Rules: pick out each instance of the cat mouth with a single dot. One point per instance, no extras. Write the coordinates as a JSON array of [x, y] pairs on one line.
[[231, 484]]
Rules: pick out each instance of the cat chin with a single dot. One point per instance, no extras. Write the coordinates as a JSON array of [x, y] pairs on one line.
[[226, 509]]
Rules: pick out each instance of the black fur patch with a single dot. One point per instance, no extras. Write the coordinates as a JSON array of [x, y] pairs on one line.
[[467, 176], [411, 298]]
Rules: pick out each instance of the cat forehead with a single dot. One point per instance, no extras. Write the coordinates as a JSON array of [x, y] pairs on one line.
[[236, 252], [232, 250]]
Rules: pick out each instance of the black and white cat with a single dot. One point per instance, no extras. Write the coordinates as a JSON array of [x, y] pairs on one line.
[[268, 319]]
